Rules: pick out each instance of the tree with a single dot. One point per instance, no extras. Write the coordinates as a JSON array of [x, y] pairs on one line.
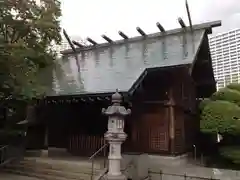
[[28, 30]]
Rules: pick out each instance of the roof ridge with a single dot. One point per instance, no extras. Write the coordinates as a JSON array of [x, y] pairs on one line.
[[208, 26]]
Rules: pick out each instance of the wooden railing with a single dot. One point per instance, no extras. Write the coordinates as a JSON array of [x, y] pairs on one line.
[[85, 145], [4, 153], [9, 153]]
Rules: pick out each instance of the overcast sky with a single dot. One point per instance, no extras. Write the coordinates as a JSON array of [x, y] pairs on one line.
[[96, 17]]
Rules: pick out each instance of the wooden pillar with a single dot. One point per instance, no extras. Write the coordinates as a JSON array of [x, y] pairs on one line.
[[171, 105], [46, 138]]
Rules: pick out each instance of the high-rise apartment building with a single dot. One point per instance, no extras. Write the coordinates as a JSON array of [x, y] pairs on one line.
[[225, 51]]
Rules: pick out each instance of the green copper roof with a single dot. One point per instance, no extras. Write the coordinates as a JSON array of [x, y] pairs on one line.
[[105, 69]]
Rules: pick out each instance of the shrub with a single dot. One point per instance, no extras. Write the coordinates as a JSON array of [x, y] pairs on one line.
[[234, 86], [227, 94], [203, 103], [220, 117], [231, 153]]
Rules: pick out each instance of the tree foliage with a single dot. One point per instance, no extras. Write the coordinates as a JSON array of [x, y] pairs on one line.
[[227, 94], [27, 32], [220, 117]]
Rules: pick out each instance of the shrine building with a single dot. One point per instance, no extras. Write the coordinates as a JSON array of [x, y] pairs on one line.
[[161, 76]]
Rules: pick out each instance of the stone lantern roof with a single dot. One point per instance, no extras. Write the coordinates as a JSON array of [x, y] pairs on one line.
[[116, 109]]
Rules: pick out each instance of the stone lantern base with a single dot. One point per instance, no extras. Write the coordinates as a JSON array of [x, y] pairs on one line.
[[120, 177]]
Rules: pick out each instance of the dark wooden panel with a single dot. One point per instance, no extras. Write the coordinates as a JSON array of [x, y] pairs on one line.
[[150, 131], [35, 137], [85, 145]]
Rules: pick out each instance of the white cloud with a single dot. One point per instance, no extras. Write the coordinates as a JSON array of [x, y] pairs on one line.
[[93, 17]]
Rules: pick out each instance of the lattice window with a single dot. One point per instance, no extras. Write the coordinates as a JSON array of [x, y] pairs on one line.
[[158, 141]]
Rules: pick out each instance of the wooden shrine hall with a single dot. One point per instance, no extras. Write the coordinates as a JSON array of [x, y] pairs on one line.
[[161, 77]]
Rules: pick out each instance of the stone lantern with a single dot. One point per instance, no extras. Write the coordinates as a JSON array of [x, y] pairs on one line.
[[115, 136]]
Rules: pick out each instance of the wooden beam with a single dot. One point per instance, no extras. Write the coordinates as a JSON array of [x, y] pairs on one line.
[[141, 31], [78, 44], [181, 22], [164, 102], [107, 38], [73, 48], [160, 27], [92, 41], [189, 15], [124, 36], [215, 24], [68, 40]]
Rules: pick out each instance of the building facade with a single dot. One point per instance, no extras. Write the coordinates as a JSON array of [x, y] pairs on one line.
[[225, 51]]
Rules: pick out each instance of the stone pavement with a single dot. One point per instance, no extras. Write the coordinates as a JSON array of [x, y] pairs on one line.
[[6, 176], [221, 174], [173, 166], [181, 168]]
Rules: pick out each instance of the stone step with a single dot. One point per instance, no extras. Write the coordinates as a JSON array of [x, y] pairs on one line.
[[40, 176], [62, 164], [66, 167], [53, 169], [11, 176], [50, 168], [53, 173]]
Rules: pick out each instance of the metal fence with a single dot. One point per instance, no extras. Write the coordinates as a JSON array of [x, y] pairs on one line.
[[12, 151], [170, 176]]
